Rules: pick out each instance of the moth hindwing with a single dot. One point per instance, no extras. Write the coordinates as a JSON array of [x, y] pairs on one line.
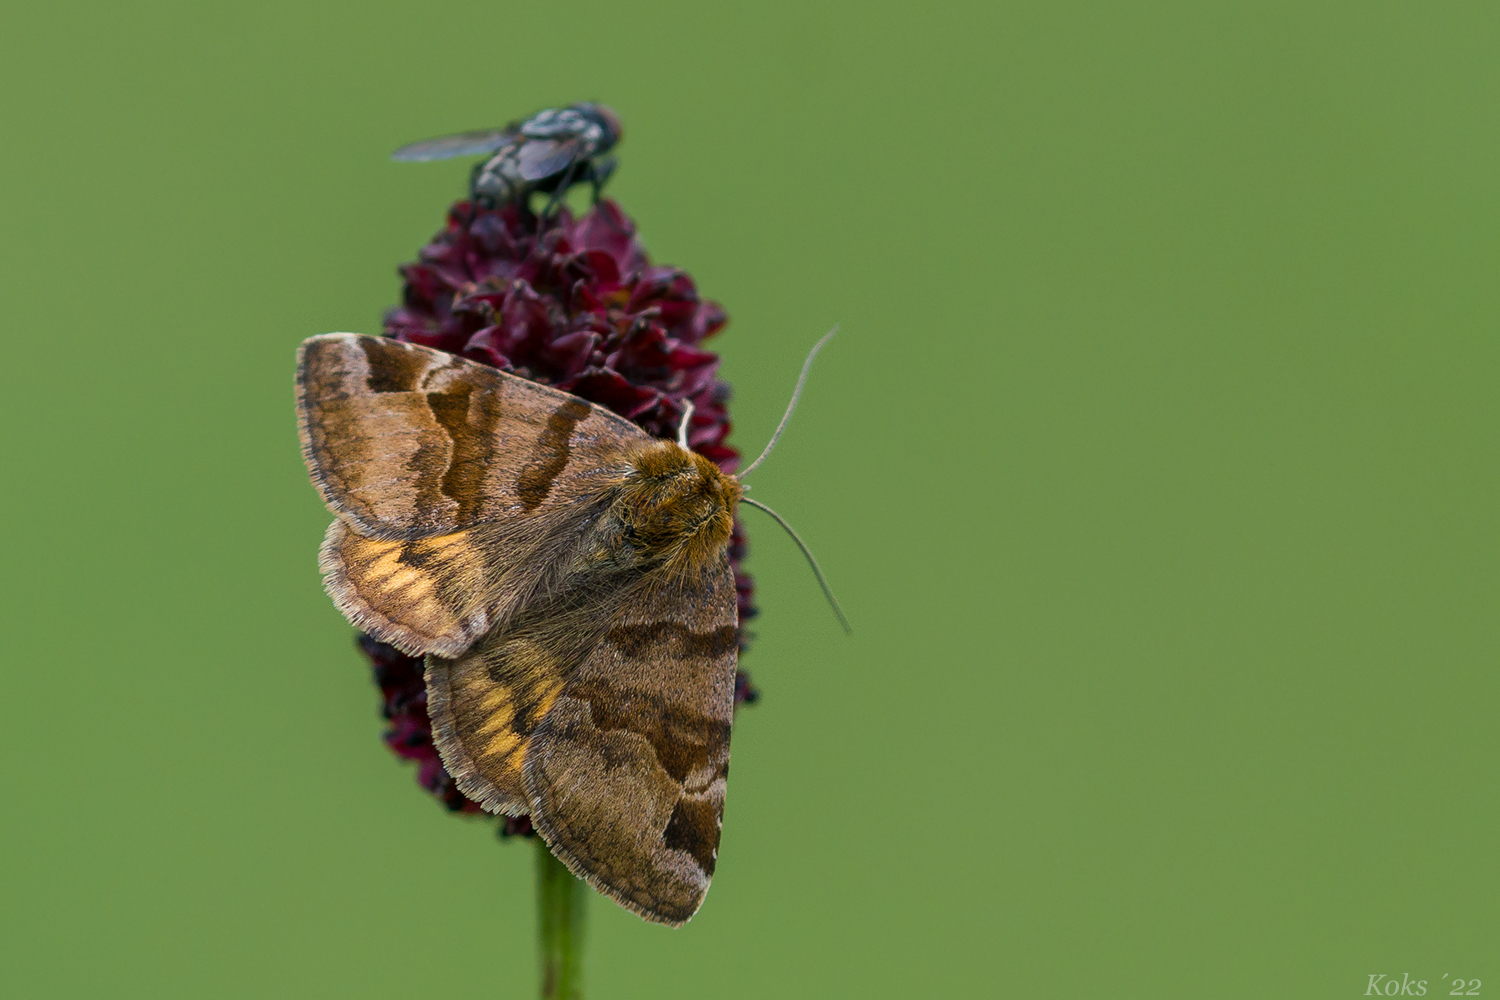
[[566, 577]]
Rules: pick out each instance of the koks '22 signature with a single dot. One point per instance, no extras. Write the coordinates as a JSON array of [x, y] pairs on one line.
[[1408, 987]]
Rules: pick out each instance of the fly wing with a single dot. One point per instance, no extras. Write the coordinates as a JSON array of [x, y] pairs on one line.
[[463, 144], [542, 158]]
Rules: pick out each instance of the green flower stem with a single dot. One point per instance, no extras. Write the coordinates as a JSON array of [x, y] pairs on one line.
[[561, 900]]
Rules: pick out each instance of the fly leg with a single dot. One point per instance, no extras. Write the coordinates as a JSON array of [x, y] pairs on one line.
[[598, 175]]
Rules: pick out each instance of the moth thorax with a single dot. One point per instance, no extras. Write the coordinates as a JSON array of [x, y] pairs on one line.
[[679, 505]]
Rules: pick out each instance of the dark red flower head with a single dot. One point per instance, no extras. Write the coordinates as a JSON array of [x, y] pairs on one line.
[[576, 304]]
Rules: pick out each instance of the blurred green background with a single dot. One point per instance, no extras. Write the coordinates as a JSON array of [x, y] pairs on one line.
[[1155, 466]]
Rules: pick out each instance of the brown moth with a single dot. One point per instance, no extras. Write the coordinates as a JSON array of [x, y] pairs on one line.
[[566, 577]]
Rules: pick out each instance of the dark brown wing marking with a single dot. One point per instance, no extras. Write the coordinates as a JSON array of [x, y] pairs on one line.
[[470, 424], [626, 773], [405, 442], [549, 456], [391, 367]]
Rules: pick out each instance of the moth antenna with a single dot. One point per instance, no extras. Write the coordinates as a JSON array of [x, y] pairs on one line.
[[682, 428], [801, 381], [817, 572]]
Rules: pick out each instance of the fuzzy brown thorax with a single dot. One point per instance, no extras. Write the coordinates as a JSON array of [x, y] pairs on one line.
[[677, 506]]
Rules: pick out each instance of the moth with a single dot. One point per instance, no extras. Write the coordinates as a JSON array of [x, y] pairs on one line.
[[550, 151], [566, 577]]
